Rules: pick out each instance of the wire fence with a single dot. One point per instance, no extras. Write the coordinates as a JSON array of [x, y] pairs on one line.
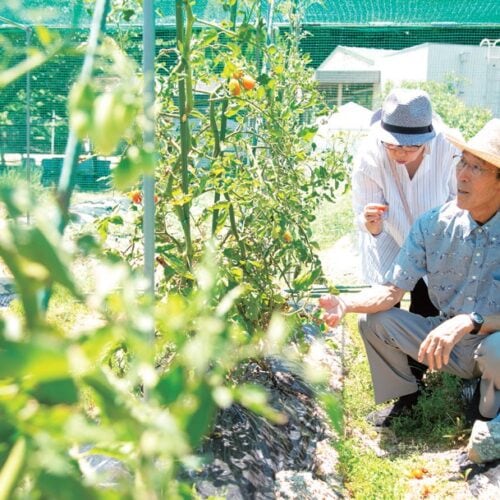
[[355, 50]]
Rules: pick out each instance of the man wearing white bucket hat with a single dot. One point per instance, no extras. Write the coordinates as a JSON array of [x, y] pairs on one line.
[[457, 246]]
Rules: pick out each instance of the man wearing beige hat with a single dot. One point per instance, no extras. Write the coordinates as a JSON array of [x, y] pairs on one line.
[[457, 246]]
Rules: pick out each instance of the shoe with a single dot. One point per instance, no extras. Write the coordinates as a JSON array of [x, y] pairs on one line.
[[402, 406], [472, 413], [417, 369]]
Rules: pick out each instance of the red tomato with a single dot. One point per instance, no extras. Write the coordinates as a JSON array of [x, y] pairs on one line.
[[248, 82], [136, 197]]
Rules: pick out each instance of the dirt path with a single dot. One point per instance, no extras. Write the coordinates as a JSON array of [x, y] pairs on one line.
[[341, 262]]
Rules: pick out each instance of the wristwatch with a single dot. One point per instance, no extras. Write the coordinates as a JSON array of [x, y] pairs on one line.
[[477, 321]]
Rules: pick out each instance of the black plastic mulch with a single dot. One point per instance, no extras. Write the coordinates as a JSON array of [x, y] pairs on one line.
[[6, 299], [245, 451]]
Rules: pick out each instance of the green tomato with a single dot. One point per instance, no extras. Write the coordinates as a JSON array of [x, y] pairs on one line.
[[113, 115]]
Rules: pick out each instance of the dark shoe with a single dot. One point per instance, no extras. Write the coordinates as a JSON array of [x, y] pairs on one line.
[[472, 406], [402, 406], [417, 369]]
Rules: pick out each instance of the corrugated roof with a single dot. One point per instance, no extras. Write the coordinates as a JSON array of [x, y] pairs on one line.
[[340, 12]]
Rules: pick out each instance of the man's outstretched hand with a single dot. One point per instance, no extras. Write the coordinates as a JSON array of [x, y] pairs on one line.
[[334, 309]]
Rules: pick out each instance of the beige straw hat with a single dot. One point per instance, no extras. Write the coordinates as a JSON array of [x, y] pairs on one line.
[[485, 144]]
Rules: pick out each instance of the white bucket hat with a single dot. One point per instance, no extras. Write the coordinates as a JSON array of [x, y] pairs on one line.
[[405, 118], [485, 144]]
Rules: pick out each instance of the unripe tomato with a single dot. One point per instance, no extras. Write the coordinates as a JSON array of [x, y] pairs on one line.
[[113, 114], [248, 82], [234, 86], [81, 99]]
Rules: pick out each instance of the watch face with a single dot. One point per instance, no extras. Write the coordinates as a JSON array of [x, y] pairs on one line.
[[477, 318]]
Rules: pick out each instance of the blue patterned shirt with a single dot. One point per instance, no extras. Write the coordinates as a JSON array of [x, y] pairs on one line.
[[460, 258]]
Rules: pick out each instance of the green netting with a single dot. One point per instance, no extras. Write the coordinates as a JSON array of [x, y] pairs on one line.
[[344, 12], [35, 129]]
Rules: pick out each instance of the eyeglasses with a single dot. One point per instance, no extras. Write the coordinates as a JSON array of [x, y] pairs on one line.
[[406, 149], [475, 170]]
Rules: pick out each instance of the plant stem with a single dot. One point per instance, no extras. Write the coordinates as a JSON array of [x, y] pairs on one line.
[[220, 137], [234, 228], [185, 102]]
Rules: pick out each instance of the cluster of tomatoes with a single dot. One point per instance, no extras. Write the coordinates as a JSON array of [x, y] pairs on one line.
[[240, 80]]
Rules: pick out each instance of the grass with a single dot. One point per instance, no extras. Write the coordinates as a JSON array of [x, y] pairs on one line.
[[333, 220], [13, 176], [399, 462]]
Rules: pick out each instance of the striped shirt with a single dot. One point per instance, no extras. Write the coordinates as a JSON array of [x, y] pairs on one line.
[[433, 184]]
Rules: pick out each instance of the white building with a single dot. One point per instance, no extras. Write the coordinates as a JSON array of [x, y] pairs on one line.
[[354, 73]]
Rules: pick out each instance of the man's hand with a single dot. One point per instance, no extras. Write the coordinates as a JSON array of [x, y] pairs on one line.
[[436, 348], [334, 309]]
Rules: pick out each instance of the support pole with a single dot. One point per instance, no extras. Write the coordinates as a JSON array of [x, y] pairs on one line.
[[28, 118], [149, 140]]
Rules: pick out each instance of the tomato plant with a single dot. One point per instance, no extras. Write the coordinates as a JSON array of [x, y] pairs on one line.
[[239, 164]]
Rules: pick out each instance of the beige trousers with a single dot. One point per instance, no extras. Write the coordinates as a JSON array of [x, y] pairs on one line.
[[390, 336]]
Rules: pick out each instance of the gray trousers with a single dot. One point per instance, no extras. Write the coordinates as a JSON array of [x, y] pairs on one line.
[[390, 336]]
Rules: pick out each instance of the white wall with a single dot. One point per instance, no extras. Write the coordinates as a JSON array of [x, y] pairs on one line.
[[407, 64], [479, 76]]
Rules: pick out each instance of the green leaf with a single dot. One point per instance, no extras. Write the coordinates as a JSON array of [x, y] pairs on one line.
[[307, 133], [333, 407], [58, 391], [36, 59], [198, 422], [65, 487], [171, 385], [41, 359], [87, 244], [135, 163], [114, 407], [306, 279], [36, 246]]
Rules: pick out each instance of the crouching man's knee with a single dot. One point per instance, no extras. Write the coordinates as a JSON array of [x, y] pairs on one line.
[[488, 357], [374, 324]]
